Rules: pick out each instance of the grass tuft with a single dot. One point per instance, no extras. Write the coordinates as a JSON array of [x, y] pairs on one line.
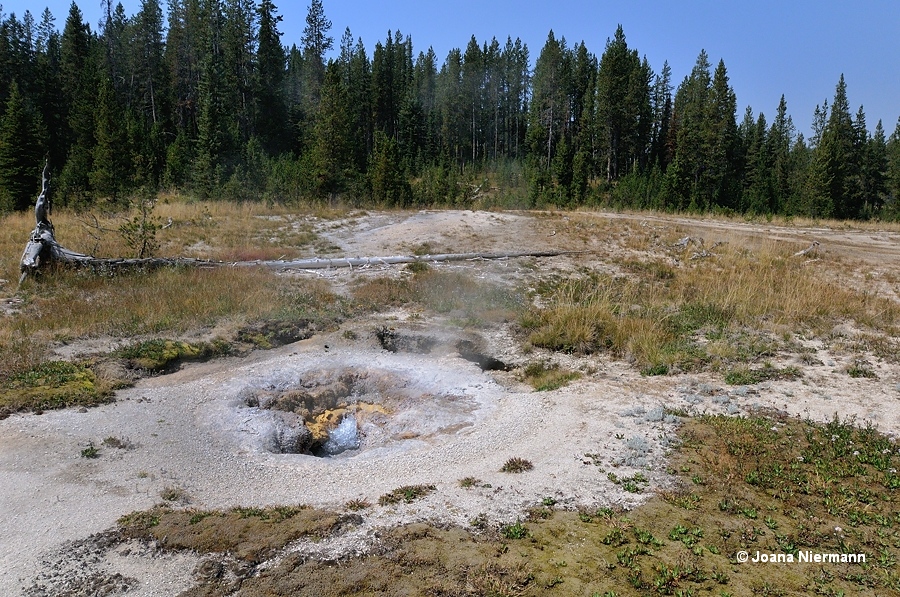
[[545, 377], [516, 465], [406, 494]]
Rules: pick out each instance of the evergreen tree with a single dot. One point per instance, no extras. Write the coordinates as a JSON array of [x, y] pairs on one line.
[[623, 104], [217, 135], [21, 142], [450, 104], [270, 59], [332, 155], [109, 175], [473, 74], [724, 183], [148, 77], [875, 168], [687, 185], [836, 157], [386, 177], [425, 88], [315, 42], [780, 140], [48, 95], [78, 79], [185, 47], [549, 106], [892, 174], [662, 117], [238, 46], [757, 182]]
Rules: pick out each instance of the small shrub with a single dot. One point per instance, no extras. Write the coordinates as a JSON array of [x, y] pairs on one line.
[[747, 377], [117, 442], [91, 451], [861, 368], [357, 505], [516, 465], [545, 377], [173, 494], [656, 369], [469, 482]]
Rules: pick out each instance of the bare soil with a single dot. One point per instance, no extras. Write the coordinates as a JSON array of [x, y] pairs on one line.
[[190, 437]]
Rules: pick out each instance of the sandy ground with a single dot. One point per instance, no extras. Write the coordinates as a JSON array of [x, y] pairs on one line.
[[192, 430]]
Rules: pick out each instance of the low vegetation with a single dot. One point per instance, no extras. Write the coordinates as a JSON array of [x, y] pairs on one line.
[[249, 534], [405, 494], [251, 306], [52, 384], [763, 483], [516, 465], [727, 313], [544, 377]]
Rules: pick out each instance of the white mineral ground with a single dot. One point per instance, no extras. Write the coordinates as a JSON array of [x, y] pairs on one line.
[[192, 429]]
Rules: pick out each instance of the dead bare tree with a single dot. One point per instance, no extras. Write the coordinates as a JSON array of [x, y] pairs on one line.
[[42, 247]]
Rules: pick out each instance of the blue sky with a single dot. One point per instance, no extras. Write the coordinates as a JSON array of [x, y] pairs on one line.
[[798, 48]]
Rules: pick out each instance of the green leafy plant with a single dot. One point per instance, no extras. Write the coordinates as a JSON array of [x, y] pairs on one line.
[[91, 451]]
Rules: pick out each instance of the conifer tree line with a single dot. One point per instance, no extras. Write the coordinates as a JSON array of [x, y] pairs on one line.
[[204, 97]]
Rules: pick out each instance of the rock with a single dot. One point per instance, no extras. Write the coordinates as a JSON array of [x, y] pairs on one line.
[[290, 435]]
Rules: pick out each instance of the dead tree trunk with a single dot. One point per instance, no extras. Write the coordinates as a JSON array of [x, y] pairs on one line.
[[362, 262], [42, 247]]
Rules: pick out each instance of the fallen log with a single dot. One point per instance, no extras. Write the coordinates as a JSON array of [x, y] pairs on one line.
[[63, 256], [362, 262], [42, 249]]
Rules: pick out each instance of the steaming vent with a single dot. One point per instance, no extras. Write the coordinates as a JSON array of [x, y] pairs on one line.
[[341, 412]]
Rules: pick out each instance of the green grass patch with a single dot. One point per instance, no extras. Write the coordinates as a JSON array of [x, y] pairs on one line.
[[516, 465], [544, 377], [745, 376], [51, 385], [406, 494]]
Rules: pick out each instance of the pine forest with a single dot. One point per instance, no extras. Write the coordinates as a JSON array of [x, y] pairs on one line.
[[205, 99]]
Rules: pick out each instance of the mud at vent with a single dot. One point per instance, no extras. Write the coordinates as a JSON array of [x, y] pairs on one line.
[[431, 404]]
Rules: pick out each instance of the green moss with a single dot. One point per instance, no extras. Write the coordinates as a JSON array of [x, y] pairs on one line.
[[160, 355], [51, 385], [744, 376]]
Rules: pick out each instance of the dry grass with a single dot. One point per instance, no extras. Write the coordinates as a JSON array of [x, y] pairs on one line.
[[655, 314], [64, 306], [216, 230]]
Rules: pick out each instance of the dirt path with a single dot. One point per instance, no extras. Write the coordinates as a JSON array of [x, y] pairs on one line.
[[192, 436]]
